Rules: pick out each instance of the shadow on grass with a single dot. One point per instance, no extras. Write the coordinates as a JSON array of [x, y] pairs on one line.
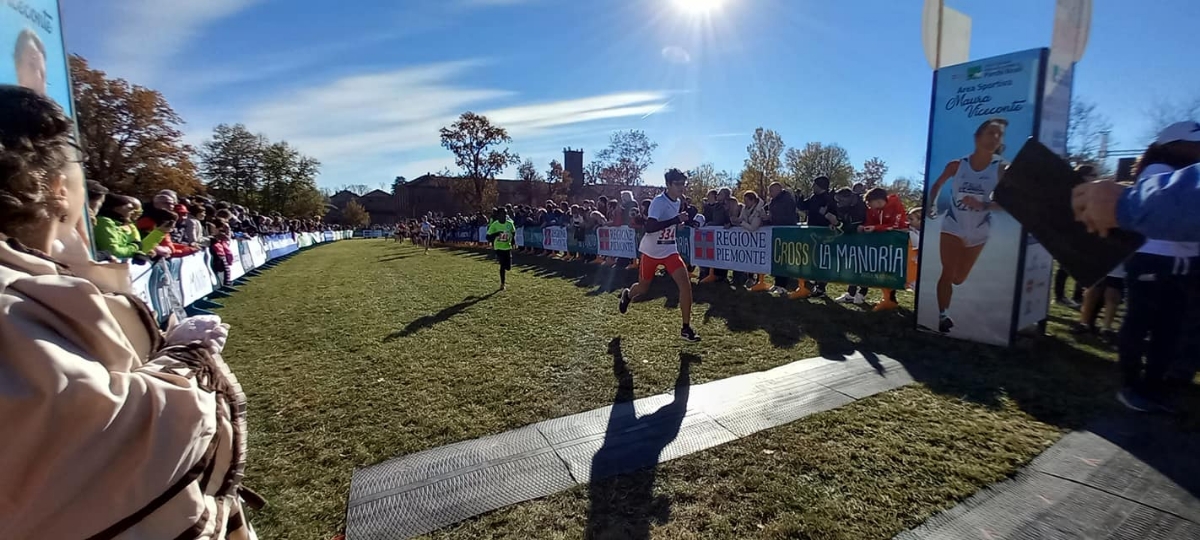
[[621, 488], [444, 315], [396, 257], [1050, 379]]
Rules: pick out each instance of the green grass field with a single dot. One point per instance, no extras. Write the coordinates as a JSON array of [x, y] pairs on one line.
[[363, 350]]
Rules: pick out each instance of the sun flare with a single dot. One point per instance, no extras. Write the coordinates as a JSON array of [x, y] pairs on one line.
[[698, 7]]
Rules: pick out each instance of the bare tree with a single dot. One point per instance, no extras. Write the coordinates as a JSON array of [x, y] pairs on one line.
[[764, 160], [1085, 132], [1166, 112]]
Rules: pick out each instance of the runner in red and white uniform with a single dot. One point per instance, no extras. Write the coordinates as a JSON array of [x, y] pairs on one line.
[[658, 249]]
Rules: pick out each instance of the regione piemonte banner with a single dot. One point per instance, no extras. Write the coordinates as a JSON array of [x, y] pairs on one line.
[[31, 49], [982, 112]]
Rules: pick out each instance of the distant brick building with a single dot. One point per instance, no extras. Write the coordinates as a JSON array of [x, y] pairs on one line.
[[433, 193]]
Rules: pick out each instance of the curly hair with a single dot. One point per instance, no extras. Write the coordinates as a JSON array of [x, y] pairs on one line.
[[33, 133]]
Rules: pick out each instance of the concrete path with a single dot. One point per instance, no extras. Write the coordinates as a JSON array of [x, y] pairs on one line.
[[422, 492], [1128, 477]]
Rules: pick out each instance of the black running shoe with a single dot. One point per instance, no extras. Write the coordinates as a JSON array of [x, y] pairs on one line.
[[625, 299], [817, 292], [688, 334], [945, 324]]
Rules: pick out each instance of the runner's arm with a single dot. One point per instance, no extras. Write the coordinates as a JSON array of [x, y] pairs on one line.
[[654, 225]]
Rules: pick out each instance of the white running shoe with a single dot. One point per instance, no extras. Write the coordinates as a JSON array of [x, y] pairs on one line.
[[845, 298], [777, 290], [858, 299]]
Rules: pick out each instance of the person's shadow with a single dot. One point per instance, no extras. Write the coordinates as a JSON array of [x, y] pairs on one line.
[[621, 488], [444, 315]]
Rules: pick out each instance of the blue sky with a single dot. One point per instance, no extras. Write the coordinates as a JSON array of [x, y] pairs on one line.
[[364, 85]]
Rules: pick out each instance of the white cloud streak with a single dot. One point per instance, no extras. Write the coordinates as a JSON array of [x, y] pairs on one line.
[[150, 32], [376, 117]]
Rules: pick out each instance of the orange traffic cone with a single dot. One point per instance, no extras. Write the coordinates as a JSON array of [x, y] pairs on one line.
[[887, 304], [801, 292]]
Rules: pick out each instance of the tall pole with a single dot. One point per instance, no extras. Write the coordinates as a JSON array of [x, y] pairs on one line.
[[938, 54]]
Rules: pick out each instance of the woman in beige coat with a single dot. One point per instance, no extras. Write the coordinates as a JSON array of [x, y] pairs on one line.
[[112, 430]]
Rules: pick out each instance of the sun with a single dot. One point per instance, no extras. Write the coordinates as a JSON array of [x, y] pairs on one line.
[[698, 7]]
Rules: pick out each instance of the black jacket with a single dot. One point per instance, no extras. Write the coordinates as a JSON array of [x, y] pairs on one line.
[[852, 216], [816, 206], [783, 209], [716, 215]]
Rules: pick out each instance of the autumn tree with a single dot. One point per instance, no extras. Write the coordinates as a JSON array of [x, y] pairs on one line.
[[354, 215], [558, 180], [704, 178], [231, 163], [289, 182], [764, 161], [132, 136], [628, 155], [1085, 132], [872, 172], [816, 159], [473, 140], [531, 180]]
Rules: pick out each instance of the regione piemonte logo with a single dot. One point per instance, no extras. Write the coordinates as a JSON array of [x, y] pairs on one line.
[[706, 245], [604, 240]]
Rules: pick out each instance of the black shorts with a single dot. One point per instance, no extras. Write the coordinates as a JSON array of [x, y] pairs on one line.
[[1113, 282], [504, 256]]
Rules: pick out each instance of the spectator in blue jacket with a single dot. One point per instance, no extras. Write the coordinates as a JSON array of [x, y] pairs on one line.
[[1161, 206]]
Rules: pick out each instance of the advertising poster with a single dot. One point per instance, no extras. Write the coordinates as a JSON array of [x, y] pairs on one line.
[[554, 238], [734, 249], [31, 49], [982, 112], [826, 255], [619, 242]]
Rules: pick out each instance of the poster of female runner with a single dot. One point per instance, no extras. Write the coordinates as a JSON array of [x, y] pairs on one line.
[[983, 111]]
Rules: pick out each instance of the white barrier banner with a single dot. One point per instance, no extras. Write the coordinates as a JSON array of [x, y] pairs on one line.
[[235, 270], [258, 255], [554, 238], [620, 242], [732, 249], [140, 280], [195, 279], [520, 237], [483, 235]]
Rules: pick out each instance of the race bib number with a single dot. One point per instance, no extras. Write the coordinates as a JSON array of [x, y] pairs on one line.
[[503, 237], [666, 236]]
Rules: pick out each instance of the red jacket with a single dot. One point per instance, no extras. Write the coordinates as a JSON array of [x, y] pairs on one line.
[[891, 217], [145, 225]]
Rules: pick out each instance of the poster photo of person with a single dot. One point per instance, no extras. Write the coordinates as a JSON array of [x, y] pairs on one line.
[[970, 254], [31, 49]]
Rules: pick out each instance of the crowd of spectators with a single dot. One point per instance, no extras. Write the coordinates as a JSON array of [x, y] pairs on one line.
[[172, 226]]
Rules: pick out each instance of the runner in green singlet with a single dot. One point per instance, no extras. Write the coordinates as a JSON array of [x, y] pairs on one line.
[[501, 232]]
